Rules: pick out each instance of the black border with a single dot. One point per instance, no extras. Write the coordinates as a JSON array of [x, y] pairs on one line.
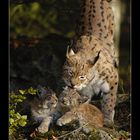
[[4, 69], [135, 47], [5, 64]]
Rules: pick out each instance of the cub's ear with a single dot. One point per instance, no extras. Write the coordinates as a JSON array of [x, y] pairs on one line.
[[54, 95], [93, 60], [69, 52], [41, 92]]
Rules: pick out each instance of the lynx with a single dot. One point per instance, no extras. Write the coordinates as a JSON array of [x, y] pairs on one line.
[[91, 65]]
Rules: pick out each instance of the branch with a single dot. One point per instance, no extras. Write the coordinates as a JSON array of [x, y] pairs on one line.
[[76, 130]]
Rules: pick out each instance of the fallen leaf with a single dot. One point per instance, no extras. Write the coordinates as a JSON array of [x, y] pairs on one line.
[[33, 134], [54, 138]]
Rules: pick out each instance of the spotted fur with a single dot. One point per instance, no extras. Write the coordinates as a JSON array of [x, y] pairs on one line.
[[96, 19]]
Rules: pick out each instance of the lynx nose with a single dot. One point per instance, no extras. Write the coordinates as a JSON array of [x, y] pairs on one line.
[[69, 84], [72, 85], [73, 82], [63, 100]]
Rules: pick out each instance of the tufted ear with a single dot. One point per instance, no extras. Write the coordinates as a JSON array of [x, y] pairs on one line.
[[41, 92], [69, 53], [93, 60]]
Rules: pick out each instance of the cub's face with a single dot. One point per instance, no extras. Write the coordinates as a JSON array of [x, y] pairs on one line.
[[51, 102], [42, 107], [48, 101], [71, 98]]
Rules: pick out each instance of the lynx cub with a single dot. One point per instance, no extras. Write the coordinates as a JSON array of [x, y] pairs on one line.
[[88, 116], [45, 109]]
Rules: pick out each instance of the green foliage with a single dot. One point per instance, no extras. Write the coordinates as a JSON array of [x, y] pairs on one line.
[[124, 134], [16, 120], [94, 135], [41, 18]]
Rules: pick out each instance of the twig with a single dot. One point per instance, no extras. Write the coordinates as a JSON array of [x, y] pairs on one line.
[[78, 129]]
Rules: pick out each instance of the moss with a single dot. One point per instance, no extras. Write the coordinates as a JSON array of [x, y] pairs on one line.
[[94, 135]]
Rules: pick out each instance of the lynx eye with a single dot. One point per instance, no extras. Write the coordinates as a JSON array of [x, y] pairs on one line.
[[51, 103], [82, 77], [70, 73]]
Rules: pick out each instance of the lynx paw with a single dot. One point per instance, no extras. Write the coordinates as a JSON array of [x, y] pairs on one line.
[[108, 123], [109, 119], [87, 130], [59, 122], [42, 129]]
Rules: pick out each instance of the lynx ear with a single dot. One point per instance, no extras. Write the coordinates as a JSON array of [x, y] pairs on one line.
[[93, 60], [42, 91], [69, 53]]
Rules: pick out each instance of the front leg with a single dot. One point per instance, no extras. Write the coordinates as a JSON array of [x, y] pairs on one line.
[[44, 126], [66, 118], [108, 105]]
